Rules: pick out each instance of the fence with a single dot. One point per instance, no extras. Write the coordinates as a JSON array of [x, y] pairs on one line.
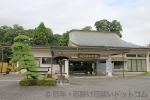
[[3, 64]]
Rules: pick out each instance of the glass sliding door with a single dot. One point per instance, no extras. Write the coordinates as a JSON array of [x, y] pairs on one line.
[[144, 65], [134, 67], [129, 65], [139, 65]]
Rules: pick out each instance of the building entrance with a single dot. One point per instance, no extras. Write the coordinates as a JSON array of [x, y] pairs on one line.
[[77, 67]]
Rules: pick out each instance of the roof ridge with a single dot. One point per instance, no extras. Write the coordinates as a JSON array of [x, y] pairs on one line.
[[92, 31]]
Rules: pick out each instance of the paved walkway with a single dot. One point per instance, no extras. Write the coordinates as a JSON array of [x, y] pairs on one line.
[[128, 88], [115, 75]]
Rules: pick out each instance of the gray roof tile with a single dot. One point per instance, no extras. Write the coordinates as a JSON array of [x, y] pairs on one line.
[[95, 38]]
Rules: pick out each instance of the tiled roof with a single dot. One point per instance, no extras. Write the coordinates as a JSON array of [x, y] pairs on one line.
[[95, 38]]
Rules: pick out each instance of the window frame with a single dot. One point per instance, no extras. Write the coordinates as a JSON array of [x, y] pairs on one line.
[[53, 60], [37, 58], [141, 55], [48, 58]]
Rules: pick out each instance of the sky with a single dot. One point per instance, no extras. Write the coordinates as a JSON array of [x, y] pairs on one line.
[[65, 15]]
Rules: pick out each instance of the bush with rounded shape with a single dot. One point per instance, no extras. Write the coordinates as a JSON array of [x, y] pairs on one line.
[[46, 82], [25, 82], [28, 82]]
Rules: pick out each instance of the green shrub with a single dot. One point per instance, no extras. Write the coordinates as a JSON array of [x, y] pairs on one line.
[[28, 82], [24, 82], [41, 82], [33, 82], [46, 82]]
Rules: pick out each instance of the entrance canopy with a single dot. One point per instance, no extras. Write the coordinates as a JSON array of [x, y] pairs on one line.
[[88, 49], [66, 51]]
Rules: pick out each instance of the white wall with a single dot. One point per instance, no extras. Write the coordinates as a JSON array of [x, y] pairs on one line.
[[56, 68], [39, 53]]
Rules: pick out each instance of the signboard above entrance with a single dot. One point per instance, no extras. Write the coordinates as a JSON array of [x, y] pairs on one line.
[[88, 55]]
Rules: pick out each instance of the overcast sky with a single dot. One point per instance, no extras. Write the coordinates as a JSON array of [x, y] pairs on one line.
[[64, 15]]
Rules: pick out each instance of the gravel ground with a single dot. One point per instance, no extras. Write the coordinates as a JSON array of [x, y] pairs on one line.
[[128, 88]]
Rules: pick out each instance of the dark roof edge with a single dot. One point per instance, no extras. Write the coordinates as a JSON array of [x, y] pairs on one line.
[[33, 46], [77, 46]]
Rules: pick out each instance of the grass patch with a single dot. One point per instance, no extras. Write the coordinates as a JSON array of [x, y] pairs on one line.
[[146, 73]]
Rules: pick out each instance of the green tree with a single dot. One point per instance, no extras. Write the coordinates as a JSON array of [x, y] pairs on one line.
[[102, 25], [50, 39], [64, 39], [55, 40], [11, 33], [7, 54], [105, 25], [29, 33], [115, 26], [3, 30], [9, 36], [148, 45], [87, 28], [17, 27], [22, 55], [41, 35]]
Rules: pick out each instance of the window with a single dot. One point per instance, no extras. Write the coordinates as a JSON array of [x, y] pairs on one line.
[[37, 60], [118, 64], [46, 60], [102, 61], [131, 55], [137, 65], [141, 55]]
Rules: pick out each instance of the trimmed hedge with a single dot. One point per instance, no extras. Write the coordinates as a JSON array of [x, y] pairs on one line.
[[41, 82], [28, 82], [46, 82]]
